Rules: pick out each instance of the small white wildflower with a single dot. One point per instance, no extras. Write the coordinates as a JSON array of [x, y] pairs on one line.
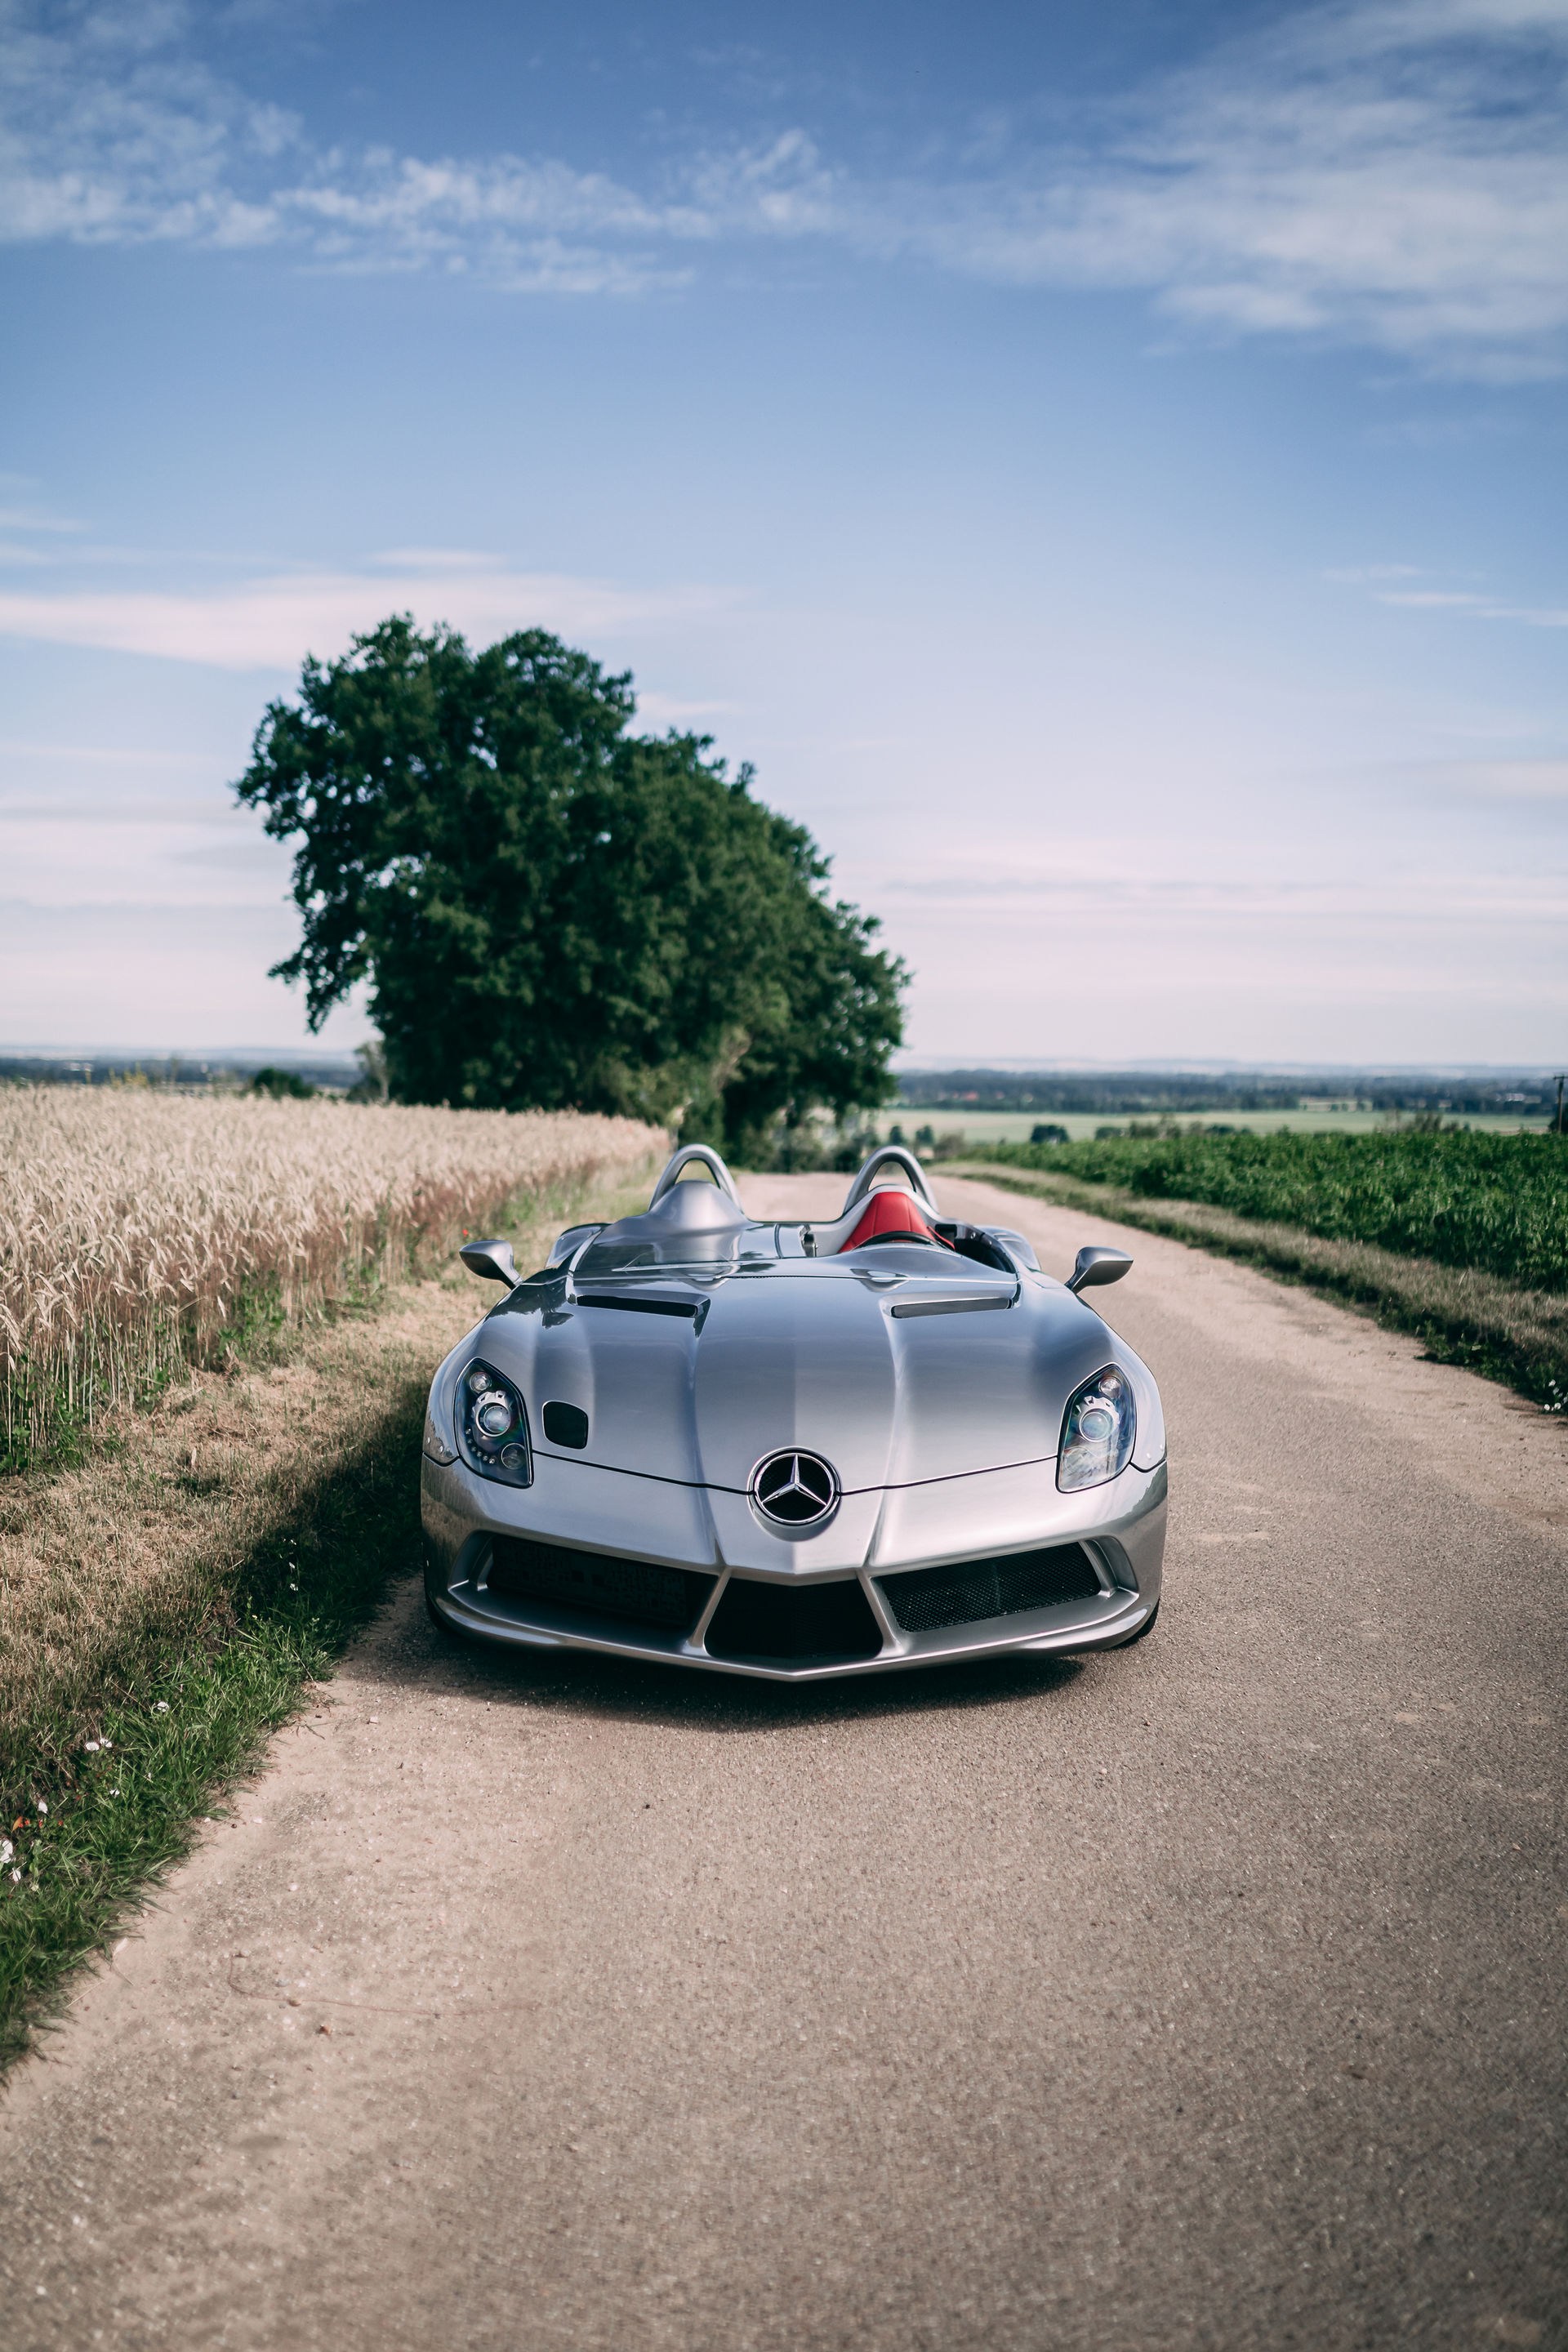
[[162, 1708], [93, 1746], [7, 1849], [15, 1878], [107, 1744], [114, 1792], [293, 1588], [42, 1807]]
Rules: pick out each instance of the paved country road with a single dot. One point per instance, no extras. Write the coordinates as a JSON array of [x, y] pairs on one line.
[[1208, 1993]]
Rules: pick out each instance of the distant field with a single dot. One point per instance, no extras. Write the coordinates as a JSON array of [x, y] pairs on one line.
[[1494, 1203], [1015, 1125]]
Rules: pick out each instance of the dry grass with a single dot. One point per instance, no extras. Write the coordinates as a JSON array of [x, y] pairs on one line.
[[136, 1230], [138, 1545]]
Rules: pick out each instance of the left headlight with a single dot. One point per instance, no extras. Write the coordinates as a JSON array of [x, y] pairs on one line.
[[1098, 1431], [492, 1426]]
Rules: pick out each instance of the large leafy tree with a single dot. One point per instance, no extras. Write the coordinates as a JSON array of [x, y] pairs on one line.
[[551, 910]]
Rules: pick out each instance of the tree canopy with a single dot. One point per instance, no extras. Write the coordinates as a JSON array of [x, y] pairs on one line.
[[552, 910]]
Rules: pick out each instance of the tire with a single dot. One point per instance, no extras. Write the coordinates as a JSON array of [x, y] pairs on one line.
[[447, 1632], [1144, 1630]]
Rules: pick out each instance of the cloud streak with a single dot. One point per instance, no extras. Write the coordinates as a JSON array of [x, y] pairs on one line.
[[1526, 780], [1384, 175], [271, 623], [1465, 604]]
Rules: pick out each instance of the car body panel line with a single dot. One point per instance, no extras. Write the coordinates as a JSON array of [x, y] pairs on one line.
[[720, 1487]]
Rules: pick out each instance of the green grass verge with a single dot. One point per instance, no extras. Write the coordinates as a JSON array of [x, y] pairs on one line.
[[188, 1710], [1462, 1315]]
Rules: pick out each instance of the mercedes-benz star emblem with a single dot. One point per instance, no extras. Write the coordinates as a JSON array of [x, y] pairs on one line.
[[796, 1489]]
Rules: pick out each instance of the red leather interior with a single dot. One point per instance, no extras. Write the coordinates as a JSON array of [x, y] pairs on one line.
[[891, 1211]]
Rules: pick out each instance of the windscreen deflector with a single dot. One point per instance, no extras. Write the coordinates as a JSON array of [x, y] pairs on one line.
[[693, 1224]]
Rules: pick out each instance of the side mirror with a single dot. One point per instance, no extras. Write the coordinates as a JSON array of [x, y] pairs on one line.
[[492, 1261], [1093, 1265]]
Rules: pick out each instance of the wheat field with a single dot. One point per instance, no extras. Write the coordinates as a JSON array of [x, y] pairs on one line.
[[136, 1228]]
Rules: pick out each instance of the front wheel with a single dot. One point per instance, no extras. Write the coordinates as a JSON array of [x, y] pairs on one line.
[[448, 1631], [1144, 1630]]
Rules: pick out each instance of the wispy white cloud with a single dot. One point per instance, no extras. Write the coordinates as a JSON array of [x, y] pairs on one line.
[[670, 711], [1473, 603], [1436, 599], [160, 814], [1390, 175], [1078, 886], [271, 623], [35, 519], [439, 558], [1357, 575], [1504, 780], [112, 755], [111, 130]]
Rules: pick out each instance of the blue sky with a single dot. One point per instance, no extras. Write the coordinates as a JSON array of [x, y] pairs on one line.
[[1105, 467]]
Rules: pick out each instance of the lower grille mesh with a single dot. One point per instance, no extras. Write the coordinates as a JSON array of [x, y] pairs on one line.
[[794, 1622], [634, 1590], [924, 1597]]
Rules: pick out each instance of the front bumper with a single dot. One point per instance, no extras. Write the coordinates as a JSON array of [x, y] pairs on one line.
[[1118, 1530]]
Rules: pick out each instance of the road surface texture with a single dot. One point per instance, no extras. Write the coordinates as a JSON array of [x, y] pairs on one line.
[[1207, 1993]]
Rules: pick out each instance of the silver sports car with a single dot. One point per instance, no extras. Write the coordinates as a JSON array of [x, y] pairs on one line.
[[795, 1450]]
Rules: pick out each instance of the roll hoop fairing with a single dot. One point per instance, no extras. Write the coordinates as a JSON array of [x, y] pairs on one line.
[[793, 1449]]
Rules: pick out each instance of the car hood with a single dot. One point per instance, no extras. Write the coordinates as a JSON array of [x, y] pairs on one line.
[[894, 1377]]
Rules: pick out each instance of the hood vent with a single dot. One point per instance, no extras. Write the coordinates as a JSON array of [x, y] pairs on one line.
[[975, 1303], [690, 1308]]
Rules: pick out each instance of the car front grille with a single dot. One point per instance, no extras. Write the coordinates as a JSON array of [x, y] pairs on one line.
[[634, 1590], [922, 1599], [793, 1622]]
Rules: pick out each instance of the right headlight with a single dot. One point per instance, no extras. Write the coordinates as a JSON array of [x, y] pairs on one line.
[[1098, 1430], [492, 1426]]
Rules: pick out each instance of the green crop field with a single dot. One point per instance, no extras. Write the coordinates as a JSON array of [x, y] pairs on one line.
[[1495, 1203], [988, 1127]]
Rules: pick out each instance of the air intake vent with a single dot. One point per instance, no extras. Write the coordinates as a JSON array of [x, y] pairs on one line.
[[567, 1424], [794, 1623], [632, 1590], [972, 1591]]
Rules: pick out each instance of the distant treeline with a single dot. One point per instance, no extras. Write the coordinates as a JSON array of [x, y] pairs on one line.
[[1135, 1093], [173, 1073]]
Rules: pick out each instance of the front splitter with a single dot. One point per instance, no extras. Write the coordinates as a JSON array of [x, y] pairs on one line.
[[1103, 1624]]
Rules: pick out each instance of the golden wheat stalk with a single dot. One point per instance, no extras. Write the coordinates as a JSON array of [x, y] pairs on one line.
[[132, 1224]]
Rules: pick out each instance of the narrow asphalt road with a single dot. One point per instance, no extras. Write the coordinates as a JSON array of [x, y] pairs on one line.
[[1208, 1993]]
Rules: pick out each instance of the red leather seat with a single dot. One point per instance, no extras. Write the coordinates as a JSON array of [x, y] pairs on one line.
[[892, 1214]]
